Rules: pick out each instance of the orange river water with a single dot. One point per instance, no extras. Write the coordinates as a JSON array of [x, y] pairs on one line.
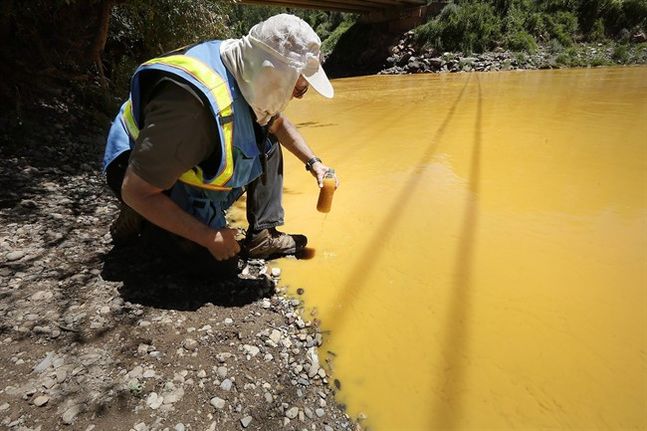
[[484, 265]]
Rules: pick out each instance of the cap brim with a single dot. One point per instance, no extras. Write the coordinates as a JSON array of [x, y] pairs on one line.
[[319, 81]]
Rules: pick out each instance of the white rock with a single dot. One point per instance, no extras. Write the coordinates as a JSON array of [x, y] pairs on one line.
[[251, 350], [229, 321], [222, 372], [4, 407], [320, 412], [190, 344], [71, 413], [218, 403], [45, 363], [226, 385], [41, 400], [14, 255], [201, 374], [292, 412], [276, 272], [61, 375], [275, 336], [173, 396], [154, 401], [179, 427], [246, 421], [135, 372]]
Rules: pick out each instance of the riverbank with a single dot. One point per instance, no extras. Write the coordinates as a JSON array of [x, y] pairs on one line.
[[405, 57], [105, 338]]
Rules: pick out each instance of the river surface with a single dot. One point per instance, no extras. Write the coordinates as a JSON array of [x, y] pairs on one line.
[[484, 265]]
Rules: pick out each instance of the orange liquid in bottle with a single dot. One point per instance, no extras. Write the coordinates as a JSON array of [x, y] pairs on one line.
[[325, 194]]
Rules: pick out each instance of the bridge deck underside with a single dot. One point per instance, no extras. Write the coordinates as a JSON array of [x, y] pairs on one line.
[[357, 6]]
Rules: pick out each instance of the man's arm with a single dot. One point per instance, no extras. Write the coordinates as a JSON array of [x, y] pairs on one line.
[[156, 207], [290, 138]]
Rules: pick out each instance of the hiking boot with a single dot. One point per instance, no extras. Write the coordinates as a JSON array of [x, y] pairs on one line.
[[270, 244], [127, 226]]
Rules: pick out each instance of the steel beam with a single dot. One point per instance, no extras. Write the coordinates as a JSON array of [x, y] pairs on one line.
[[358, 6]]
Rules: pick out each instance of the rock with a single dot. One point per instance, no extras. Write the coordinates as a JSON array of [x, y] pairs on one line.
[[4, 407], [154, 401], [173, 396], [292, 412], [41, 400], [218, 403], [229, 321], [251, 350], [71, 414], [320, 412], [49, 383], [61, 375], [246, 421], [226, 385], [41, 295], [638, 37], [136, 372], [179, 427], [202, 374], [275, 336], [276, 272], [45, 363], [14, 255], [190, 344], [221, 372], [222, 357]]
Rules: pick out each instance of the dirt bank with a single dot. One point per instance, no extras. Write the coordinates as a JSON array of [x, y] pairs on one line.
[[96, 337]]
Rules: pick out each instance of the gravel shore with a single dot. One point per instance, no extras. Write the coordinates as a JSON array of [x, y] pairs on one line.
[[406, 57], [105, 338]]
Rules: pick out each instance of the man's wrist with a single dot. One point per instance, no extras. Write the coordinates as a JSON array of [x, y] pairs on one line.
[[311, 162]]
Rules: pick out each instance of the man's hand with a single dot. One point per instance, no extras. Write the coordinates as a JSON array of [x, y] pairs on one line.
[[291, 139], [222, 243], [319, 170]]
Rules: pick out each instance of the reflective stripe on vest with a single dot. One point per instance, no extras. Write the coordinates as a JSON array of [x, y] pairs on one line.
[[220, 91]]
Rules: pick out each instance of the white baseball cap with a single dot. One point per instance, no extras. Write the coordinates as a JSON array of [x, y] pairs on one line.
[[293, 41]]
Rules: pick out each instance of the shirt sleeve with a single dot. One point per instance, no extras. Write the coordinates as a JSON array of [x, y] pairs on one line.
[[178, 134]]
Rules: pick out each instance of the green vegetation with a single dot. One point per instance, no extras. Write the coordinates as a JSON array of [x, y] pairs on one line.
[[519, 25], [91, 47]]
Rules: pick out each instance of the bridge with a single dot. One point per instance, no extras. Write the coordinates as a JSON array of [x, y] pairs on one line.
[[355, 6], [401, 15]]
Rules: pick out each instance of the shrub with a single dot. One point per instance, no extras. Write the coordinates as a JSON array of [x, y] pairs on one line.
[[621, 54], [555, 47], [597, 32], [521, 41], [468, 27]]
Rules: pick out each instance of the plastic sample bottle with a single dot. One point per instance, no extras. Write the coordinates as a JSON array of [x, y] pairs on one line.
[[325, 193]]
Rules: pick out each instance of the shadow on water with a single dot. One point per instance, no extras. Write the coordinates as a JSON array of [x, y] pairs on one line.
[[447, 408], [153, 275], [357, 280]]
